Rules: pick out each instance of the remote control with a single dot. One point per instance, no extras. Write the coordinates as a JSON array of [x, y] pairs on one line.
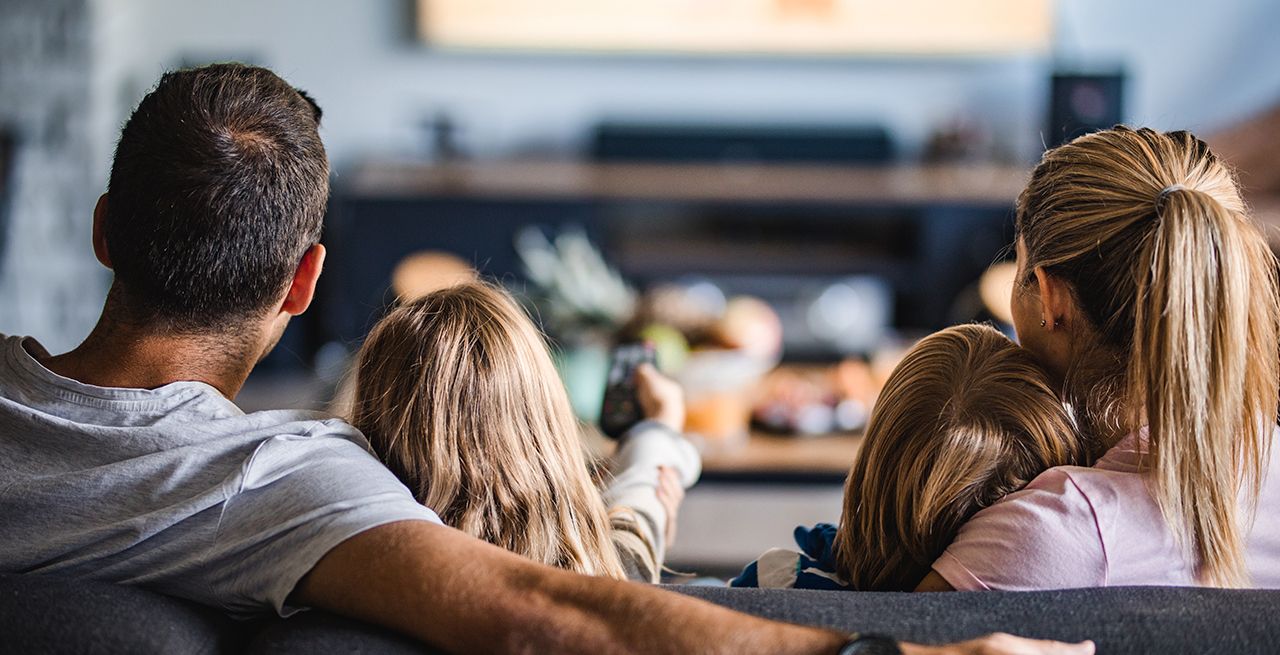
[[621, 408]]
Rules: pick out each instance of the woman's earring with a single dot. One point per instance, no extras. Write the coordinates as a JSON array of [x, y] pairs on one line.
[[1043, 322]]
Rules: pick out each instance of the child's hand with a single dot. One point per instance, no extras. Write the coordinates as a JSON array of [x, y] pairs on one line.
[[661, 398], [670, 494]]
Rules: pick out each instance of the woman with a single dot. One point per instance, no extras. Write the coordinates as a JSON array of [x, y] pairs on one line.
[[1150, 296], [459, 398]]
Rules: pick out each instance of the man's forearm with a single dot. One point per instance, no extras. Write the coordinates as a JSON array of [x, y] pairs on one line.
[[462, 595], [632, 617]]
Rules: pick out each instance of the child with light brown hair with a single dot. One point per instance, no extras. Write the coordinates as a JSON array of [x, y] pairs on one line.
[[966, 418], [459, 398]]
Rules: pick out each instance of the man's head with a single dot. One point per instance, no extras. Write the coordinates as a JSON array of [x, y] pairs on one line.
[[217, 192]]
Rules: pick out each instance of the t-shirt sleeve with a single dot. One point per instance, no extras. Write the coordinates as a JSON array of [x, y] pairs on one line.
[[1042, 537], [297, 498]]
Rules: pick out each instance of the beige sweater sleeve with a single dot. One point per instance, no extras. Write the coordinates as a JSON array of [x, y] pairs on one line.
[[640, 520]]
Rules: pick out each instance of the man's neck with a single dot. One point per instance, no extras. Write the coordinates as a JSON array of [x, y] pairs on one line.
[[116, 355]]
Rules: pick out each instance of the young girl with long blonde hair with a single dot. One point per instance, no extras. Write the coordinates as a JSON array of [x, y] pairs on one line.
[[966, 418], [458, 396]]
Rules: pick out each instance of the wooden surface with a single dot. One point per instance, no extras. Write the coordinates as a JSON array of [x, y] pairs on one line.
[[969, 184], [765, 454], [955, 184]]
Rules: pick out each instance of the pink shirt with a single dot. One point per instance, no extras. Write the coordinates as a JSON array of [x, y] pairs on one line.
[[1094, 527]]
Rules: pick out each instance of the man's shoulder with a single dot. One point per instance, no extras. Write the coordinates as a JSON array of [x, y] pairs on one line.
[[298, 444], [295, 430], [301, 423]]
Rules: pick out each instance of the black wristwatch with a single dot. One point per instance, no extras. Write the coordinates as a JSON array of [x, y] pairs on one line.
[[860, 644]]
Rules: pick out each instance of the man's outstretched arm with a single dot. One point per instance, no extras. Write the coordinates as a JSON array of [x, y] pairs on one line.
[[464, 595]]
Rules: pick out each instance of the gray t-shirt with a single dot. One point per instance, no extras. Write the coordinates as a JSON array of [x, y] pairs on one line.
[[176, 489]]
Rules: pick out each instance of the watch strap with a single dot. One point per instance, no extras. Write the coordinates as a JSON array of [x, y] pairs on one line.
[[870, 644]]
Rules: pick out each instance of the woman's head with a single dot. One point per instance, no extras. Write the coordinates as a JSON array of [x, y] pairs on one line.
[[1152, 297], [459, 398], [966, 418]]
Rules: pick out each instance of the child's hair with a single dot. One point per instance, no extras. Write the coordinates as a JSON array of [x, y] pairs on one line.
[[966, 418], [459, 397]]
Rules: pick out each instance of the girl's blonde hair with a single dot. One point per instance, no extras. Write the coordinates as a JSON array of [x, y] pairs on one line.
[[966, 418], [1178, 287], [460, 399]]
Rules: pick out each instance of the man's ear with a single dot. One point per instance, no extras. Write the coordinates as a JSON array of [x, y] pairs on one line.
[[302, 290], [1056, 301], [99, 231]]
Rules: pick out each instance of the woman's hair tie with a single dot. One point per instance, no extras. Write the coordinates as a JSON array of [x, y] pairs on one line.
[[1164, 193]]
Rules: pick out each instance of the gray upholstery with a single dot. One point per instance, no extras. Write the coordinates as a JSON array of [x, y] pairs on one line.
[[40, 614], [49, 615], [1119, 620], [318, 632]]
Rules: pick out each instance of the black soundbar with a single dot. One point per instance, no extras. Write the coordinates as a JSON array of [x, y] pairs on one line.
[[741, 144]]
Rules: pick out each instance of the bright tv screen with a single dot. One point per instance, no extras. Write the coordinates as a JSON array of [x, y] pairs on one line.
[[813, 27]]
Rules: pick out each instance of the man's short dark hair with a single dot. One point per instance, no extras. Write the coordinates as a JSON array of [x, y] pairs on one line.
[[218, 188]]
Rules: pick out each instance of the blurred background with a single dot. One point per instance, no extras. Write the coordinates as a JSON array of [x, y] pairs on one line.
[[779, 194]]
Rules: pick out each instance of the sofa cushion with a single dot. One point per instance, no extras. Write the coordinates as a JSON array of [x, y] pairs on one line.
[[321, 632], [1118, 619], [42, 614]]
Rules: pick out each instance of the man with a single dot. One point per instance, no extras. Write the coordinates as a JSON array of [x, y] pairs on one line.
[[125, 460]]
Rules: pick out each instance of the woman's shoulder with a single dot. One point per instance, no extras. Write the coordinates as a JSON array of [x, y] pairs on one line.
[[1043, 536], [1062, 494], [1114, 485], [1071, 498]]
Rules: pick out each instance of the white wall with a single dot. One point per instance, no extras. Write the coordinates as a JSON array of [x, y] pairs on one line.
[[1193, 65], [50, 284]]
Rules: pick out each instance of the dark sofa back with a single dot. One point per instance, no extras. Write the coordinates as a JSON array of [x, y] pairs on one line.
[[41, 614], [1117, 619]]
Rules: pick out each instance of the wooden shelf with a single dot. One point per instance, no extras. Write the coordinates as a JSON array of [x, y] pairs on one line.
[[768, 455], [962, 184], [764, 457]]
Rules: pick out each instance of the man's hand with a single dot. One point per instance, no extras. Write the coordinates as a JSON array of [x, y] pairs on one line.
[[670, 494], [661, 398], [1002, 644]]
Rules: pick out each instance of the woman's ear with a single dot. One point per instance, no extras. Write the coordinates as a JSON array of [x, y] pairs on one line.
[[1056, 301]]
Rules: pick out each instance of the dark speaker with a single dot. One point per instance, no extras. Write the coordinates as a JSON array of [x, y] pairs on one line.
[[1083, 103]]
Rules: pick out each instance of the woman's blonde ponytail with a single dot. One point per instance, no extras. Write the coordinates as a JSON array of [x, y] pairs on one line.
[[1188, 374]]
